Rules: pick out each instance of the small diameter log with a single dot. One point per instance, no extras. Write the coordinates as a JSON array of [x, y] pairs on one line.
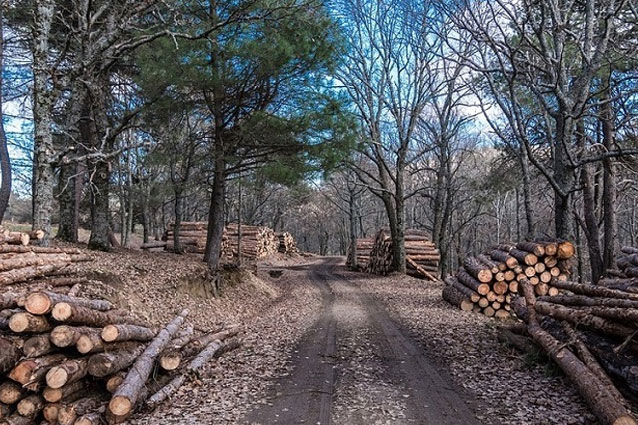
[[69, 412], [584, 318], [50, 412], [27, 322], [467, 292], [37, 346], [20, 275], [71, 313], [583, 300], [9, 354], [113, 382], [592, 290], [457, 298], [125, 397], [193, 368], [33, 370], [477, 270], [104, 364], [598, 396], [500, 288], [30, 405], [524, 257], [124, 332], [53, 395], [504, 257], [533, 247], [466, 279], [89, 419], [17, 419], [11, 392], [44, 301], [66, 336], [171, 357], [67, 372], [197, 345]]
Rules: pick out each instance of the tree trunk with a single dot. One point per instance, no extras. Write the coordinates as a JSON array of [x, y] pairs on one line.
[[100, 227], [527, 195], [610, 245], [216, 216], [43, 100], [5, 160], [66, 198], [179, 210], [592, 231], [563, 174]]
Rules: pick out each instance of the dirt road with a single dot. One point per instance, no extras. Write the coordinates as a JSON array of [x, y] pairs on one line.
[[357, 366]]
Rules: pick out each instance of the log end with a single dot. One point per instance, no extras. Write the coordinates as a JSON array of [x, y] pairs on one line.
[[484, 276], [84, 344], [19, 322], [62, 336], [173, 360], [52, 395], [61, 311], [625, 420], [56, 377], [37, 303], [113, 383], [110, 333], [120, 406]]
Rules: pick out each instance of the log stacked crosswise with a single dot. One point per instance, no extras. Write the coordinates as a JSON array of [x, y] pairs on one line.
[[256, 241], [489, 282], [421, 256]]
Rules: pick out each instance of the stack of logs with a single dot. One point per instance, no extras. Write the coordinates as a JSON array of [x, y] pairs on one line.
[[626, 273], [362, 253], [257, 241], [421, 256], [489, 282], [588, 330], [71, 360], [287, 244]]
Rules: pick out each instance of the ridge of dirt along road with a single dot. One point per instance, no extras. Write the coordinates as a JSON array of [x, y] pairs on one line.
[[357, 366]]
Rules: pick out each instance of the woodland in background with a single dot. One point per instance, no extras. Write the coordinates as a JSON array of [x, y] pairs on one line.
[[480, 122]]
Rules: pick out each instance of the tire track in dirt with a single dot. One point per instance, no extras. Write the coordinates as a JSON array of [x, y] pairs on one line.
[[378, 375]]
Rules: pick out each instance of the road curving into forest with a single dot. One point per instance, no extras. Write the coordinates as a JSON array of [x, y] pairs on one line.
[[358, 366]]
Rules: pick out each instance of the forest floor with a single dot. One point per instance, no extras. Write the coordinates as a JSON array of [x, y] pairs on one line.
[[325, 345]]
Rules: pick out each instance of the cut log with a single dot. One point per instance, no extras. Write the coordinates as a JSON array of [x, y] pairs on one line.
[[69, 412], [457, 298], [477, 270], [66, 392], [124, 332], [125, 397], [596, 291], [37, 346], [9, 354], [43, 302], [524, 257], [17, 419], [113, 382], [27, 322], [30, 405], [467, 292], [67, 372], [533, 247], [66, 336], [171, 357], [104, 364], [466, 279], [71, 313], [11, 392], [504, 257], [90, 419], [33, 370]]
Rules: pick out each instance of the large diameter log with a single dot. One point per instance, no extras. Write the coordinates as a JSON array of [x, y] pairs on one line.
[[599, 398], [71, 313], [565, 250], [503, 257], [456, 298], [9, 354], [477, 270], [33, 370], [124, 332], [524, 257], [20, 275], [104, 364], [67, 372], [171, 357], [43, 302], [27, 322], [533, 247], [125, 397]]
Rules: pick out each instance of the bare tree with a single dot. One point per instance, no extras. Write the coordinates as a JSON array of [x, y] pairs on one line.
[[5, 160]]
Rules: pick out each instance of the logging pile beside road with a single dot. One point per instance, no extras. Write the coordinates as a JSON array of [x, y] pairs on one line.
[[256, 241], [421, 256], [287, 244], [489, 282], [588, 331], [69, 360], [362, 254]]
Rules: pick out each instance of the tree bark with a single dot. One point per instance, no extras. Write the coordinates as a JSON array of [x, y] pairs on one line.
[[100, 227], [610, 222], [5, 160]]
